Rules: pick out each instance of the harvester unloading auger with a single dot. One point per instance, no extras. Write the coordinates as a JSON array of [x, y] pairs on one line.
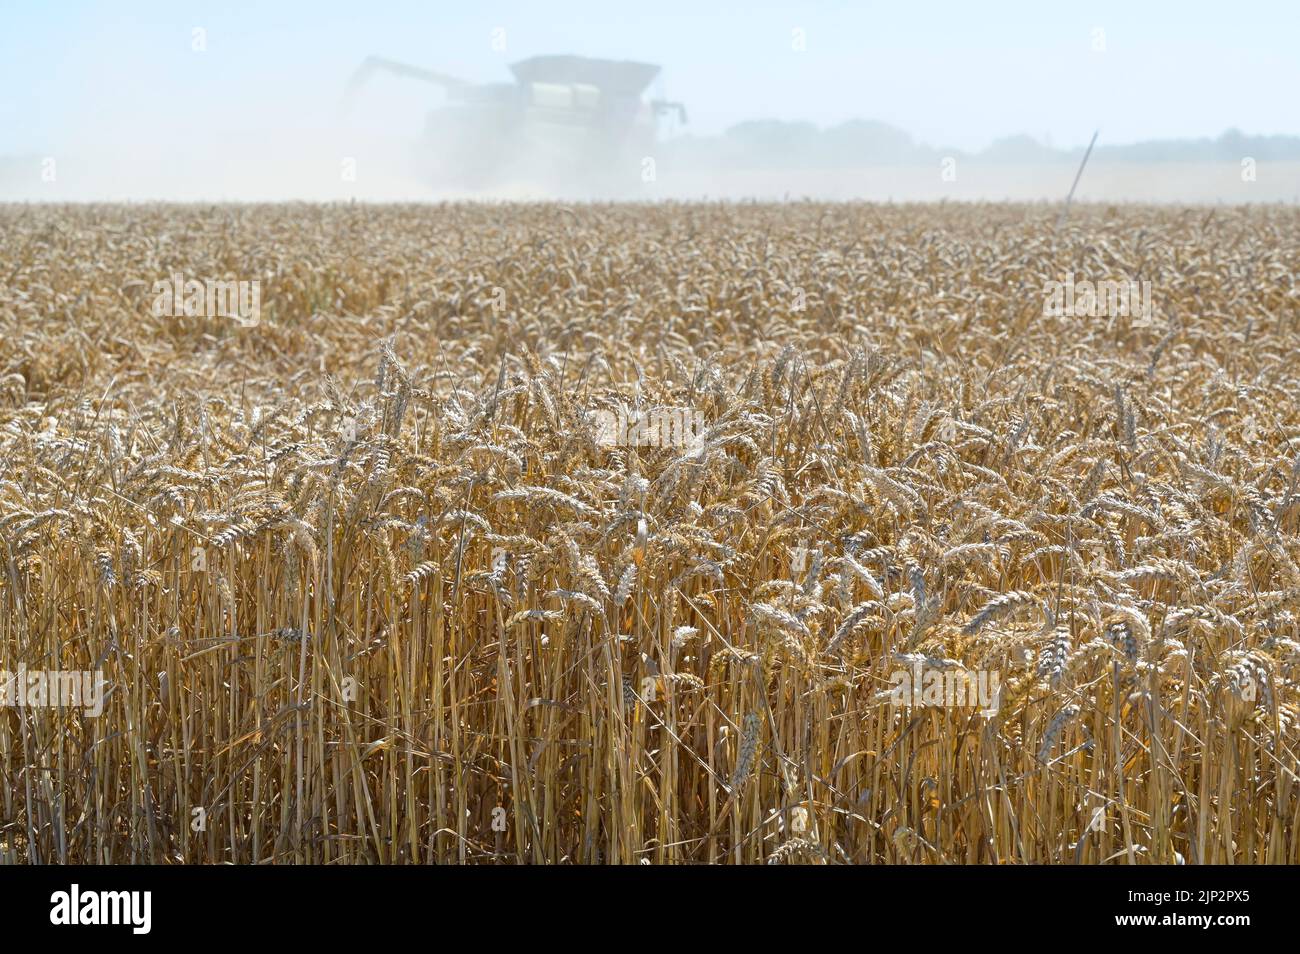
[[567, 123]]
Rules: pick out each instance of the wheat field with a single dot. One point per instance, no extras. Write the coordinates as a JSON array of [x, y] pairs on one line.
[[368, 581]]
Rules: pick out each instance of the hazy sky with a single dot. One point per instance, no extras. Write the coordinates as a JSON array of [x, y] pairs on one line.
[[77, 74]]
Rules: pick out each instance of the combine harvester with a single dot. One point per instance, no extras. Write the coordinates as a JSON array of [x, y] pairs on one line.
[[568, 125]]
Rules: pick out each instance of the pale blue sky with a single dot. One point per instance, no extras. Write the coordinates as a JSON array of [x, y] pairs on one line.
[[74, 74]]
